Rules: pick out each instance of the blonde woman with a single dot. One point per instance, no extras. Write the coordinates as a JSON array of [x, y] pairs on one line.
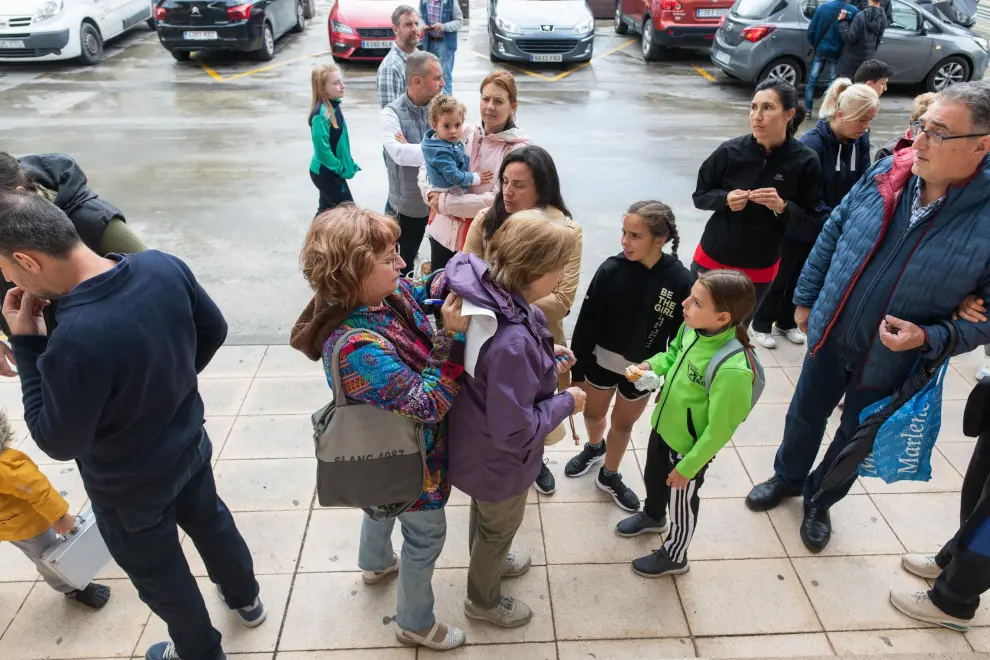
[[332, 164], [841, 139], [918, 108], [507, 404]]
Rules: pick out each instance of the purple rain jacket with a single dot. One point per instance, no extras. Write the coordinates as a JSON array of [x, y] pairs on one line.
[[501, 416]]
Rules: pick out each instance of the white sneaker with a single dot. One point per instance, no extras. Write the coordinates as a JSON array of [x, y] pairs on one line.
[[923, 566], [509, 613], [795, 336], [765, 339], [918, 605], [984, 370]]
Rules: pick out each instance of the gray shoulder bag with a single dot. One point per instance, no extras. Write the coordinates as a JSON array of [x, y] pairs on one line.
[[367, 457]]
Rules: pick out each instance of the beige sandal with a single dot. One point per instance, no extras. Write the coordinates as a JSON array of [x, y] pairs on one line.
[[455, 637], [374, 577]]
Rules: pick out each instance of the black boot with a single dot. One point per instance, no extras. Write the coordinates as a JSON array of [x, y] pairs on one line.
[[94, 595], [769, 494], [816, 528]]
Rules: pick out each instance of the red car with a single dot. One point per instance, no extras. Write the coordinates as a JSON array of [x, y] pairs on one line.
[[668, 24], [361, 30]]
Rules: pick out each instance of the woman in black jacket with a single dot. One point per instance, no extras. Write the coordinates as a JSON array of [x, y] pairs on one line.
[[100, 225], [631, 312], [757, 186]]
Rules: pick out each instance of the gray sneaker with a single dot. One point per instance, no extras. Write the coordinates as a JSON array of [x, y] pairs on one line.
[[515, 564], [251, 616], [509, 613]]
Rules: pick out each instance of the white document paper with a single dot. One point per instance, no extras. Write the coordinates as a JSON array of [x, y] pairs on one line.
[[481, 328]]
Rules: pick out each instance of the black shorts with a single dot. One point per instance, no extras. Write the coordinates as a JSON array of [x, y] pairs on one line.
[[603, 379]]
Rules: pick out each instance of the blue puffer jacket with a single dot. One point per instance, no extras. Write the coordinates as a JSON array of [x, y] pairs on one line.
[[951, 259]]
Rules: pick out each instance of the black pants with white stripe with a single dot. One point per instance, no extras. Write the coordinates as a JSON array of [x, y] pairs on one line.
[[683, 504]]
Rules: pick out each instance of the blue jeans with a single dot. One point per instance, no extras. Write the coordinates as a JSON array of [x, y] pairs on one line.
[[817, 65], [144, 541], [825, 377], [423, 536], [439, 48]]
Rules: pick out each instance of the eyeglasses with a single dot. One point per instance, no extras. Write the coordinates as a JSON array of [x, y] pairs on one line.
[[935, 139], [391, 260]]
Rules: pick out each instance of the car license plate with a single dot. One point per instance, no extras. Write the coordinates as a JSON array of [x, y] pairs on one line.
[[199, 36], [546, 58], [376, 44], [711, 13], [5, 43], [722, 57]]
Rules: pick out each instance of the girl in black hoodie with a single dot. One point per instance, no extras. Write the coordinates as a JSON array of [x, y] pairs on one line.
[[631, 311], [757, 186]]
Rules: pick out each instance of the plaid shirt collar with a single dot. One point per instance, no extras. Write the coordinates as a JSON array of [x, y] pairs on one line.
[[919, 212]]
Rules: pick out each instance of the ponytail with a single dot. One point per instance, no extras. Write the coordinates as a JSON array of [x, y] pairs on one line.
[[742, 334], [854, 101]]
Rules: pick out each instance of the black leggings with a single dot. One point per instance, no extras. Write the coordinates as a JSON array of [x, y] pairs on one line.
[[334, 190], [439, 255], [778, 306]]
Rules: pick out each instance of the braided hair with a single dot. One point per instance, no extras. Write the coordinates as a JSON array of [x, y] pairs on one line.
[[660, 220]]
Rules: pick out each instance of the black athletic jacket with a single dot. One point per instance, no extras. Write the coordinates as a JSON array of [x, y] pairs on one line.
[[750, 238], [631, 310]]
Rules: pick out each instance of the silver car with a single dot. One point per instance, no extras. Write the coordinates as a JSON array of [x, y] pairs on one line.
[[540, 30], [762, 39]]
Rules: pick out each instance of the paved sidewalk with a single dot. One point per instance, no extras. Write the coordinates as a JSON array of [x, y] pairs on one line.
[[753, 589]]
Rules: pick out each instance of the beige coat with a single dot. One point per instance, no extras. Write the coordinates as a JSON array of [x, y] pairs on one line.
[[557, 305]]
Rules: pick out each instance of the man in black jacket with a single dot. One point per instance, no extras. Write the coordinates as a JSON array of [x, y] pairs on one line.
[[115, 389], [861, 38]]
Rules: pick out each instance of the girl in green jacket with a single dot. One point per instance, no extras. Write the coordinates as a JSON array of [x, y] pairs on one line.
[[332, 164], [690, 423]]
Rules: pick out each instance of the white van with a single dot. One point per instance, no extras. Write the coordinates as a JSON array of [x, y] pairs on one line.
[[43, 30]]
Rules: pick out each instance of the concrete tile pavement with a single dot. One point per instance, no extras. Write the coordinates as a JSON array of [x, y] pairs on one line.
[[753, 591]]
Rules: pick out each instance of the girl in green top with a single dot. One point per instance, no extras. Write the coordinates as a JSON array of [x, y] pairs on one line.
[[692, 423], [332, 164]]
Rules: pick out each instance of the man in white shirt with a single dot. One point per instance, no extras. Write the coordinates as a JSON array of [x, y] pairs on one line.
[[404, 122]]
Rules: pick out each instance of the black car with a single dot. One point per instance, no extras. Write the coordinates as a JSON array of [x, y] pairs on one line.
[[188, 25]]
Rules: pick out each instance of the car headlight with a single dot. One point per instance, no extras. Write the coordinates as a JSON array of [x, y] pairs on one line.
[[585, 26], [341, 28], [506, 26], [982, 43], [47, 10]]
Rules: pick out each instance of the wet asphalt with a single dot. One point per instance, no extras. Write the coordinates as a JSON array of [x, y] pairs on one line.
[[216, 171]]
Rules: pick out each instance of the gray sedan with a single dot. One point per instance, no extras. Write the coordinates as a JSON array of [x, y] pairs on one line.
[[762, 39], [540, 30]]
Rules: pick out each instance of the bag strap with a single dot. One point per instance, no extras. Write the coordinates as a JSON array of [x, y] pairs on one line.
[[338, 390], [726, 351]]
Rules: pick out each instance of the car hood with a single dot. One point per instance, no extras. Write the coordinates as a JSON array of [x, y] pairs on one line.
[[366, 13], [19, 7], [561, 14]]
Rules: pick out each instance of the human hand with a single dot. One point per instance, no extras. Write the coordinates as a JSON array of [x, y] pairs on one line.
[[7, 360], [433, 199], [400, 138], [842, 15], [486, 177], [899, 335], [972, 309], [737, 200], [579, 398], [453, 320], [801, 315], [437, 27], [23, 312], [64, 524], [677, 480], [563, 358], [769, 198]]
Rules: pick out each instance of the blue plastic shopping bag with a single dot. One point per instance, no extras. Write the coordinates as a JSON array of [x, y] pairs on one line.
[[902, 449]]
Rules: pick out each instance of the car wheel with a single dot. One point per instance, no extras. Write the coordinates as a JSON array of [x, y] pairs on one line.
[[651, 49], [90, 44], [181, 55], [948, 72], [310, 9], [782, 68], [620, 25], [300, 17], [267, 50]]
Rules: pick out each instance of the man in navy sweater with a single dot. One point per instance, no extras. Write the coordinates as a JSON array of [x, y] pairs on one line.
[[115, 389]]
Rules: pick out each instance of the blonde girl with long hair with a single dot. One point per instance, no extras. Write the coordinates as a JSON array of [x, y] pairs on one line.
[[332, 164], [841, 140]]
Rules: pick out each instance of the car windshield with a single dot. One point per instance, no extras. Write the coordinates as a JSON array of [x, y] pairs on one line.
[[754, 8]]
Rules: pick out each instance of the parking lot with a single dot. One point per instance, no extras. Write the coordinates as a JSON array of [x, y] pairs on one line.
[[208, 159]]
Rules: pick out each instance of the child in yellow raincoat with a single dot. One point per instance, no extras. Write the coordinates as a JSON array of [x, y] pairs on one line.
[[31, 514]]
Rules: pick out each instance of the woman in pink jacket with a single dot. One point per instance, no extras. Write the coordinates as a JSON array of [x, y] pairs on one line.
[[486, 146]]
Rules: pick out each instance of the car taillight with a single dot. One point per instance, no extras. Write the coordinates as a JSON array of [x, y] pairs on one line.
[[670, 5], [757, 32], [240, 12], [160, 13]]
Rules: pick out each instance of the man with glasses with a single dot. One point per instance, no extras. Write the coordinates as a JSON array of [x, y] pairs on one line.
[[899, 254]]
